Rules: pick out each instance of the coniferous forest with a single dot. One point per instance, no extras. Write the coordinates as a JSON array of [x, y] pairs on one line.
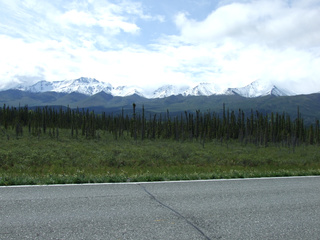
[[256, 128], [52, 144]]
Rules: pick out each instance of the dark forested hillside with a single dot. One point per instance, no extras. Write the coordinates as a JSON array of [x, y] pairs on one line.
[[102, 102]]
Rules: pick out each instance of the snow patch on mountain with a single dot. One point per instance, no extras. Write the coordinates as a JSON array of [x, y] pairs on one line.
[[259, 88]]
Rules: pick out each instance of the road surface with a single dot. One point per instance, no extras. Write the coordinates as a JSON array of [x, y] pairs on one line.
[[275, 208]]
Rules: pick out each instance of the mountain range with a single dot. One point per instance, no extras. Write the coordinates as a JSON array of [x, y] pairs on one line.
[[103, 97], [91, 86]]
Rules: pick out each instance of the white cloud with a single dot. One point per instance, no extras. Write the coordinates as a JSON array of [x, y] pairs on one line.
[[103, 17], [257, 40], [237, 43], [53, 61], [273, 23], [78, 18]]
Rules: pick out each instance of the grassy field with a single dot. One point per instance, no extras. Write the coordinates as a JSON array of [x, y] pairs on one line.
[[50, 160]]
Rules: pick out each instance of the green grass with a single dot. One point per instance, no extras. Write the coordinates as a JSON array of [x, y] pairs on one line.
[[46, 160]]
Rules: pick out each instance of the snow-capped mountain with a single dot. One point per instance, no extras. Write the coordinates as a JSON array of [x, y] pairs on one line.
[[168, 90], [204, 89], [123, 91], [259, 88], [42, 86], [91, 86], [88, 86]]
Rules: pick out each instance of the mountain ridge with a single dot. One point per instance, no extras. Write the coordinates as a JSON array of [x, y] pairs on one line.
[[176, 104], [91, 86]]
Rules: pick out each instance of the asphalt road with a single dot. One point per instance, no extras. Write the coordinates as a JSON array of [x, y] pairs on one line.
[[280, 208]]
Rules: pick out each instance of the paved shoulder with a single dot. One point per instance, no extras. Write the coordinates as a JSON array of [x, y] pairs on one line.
[[284, 208]]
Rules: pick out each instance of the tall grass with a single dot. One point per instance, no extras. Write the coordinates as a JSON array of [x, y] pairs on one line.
[[48, 160]]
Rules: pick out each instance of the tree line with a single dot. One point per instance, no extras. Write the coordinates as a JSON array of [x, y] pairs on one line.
[[256, 127]]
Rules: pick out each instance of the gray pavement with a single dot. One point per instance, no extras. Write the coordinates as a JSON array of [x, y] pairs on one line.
[[275, 208]]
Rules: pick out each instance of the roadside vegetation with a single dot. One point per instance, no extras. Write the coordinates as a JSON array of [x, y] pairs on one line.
[[56, 146]]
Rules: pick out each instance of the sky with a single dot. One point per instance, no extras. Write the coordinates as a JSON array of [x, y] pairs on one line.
[[150, 43]]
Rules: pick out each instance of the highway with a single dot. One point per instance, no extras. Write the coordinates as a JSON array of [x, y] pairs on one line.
[[266, 208]]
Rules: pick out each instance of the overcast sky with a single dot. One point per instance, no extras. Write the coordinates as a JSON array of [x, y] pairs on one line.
[[150, 43]]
